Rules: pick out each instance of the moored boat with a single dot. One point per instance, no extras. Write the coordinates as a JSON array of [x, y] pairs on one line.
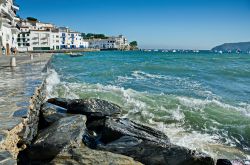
[[75, 54]]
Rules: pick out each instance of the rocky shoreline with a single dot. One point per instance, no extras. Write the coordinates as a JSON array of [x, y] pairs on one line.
[[90, 131]]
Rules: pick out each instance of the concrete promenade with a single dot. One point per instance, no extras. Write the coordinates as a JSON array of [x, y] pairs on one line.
[[17, 86]]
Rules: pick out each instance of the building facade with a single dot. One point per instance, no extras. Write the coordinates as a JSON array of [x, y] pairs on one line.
[[112, 43], [71, 39], [44, 36], [8, 25]]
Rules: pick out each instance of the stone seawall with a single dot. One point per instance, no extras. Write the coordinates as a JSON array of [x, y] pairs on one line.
[[22, 90], [22, 134]]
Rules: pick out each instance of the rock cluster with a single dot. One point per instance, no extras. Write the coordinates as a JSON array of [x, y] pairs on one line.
[[90, 131]]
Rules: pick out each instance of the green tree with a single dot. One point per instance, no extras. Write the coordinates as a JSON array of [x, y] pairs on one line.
[[93, 36], [32, 19], [133, 45]]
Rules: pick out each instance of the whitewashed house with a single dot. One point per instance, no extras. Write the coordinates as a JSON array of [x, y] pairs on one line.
[[71, 39], [55, 39], [112, 43], [36, 35], [8, 25]]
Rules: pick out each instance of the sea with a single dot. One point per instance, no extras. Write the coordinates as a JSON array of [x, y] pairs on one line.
[[199, 100]]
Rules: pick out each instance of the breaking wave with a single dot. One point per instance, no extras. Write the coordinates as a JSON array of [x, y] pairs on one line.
[[202, 124]]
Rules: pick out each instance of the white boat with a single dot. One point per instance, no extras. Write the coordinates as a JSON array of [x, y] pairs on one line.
[[75, 54]]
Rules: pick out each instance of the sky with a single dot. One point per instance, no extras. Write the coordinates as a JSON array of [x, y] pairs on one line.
[[170, 24]]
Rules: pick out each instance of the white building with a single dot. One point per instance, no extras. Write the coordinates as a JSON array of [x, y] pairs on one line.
[[36, 35], [118, 43], [35, 40], [44, 37], [55, 39], [8, 25], [71, 39]]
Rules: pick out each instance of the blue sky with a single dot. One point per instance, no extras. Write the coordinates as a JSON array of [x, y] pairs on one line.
[[194, 24]]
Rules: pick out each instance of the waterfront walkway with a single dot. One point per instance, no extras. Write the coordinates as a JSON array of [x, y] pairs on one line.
[[17, 86]]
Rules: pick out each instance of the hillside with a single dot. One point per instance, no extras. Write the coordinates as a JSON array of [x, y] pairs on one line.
[[242, 46]]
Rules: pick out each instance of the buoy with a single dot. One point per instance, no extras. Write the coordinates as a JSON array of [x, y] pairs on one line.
[[13, 62]]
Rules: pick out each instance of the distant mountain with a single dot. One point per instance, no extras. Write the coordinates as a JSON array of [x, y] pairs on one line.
[[240, 46]]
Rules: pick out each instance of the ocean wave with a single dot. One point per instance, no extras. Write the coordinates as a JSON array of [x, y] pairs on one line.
[[51, 81], [203, 142], [199, 104], [173, 83], [142, 75], [167, 113]]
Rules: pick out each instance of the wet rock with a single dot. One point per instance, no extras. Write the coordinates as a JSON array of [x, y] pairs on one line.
[[150, 153], [96, 125], [51, 113], [61, 102], [60, 135], [223, 162], [86, 156], [92, 108], [232, 162], [6, 158], [114, 128], [31, 121]]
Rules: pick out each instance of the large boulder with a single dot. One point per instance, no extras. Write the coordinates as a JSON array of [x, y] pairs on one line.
[[86, 156], [51, 113], [66, 132], [114, 128], [92, 108], [151, 153]]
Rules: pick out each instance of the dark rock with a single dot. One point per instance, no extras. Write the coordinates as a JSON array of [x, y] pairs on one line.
[[96, 125], [62, 102], [151, 153], [223, 162], [60, 135], [92, 108], [232, 162], [51, 113], [118, 127], [86, 156]]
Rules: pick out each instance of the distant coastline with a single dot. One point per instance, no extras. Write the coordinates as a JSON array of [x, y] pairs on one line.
[[239, 47]]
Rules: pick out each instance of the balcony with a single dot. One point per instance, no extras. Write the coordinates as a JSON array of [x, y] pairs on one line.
[[15, 6], [45, 43]]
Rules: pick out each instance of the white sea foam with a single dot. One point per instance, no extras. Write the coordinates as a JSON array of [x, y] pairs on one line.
[[142, 75], [177, 114], [138, 107], [51, 81], [202, 142], [199, 104], [128, 95]]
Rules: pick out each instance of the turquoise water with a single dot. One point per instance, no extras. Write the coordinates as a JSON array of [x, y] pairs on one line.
[[200, 100]]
